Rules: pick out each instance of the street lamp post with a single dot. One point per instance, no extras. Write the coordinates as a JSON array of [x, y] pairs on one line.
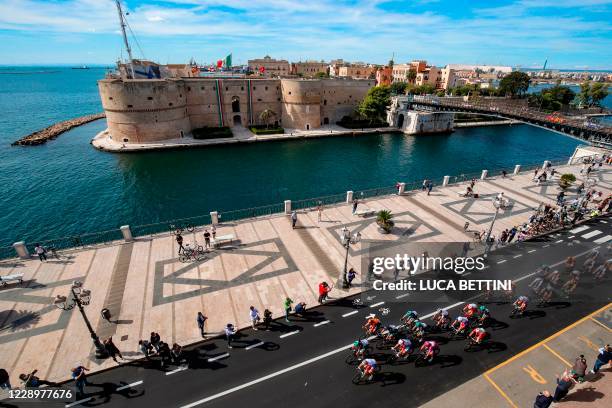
[[81, 297], [348, 239], [497, 203]]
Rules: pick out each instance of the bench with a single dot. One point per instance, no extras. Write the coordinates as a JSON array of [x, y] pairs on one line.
[[222, 239], [365, 212], [16, 277]]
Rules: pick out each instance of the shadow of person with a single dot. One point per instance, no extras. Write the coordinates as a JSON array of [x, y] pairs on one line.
[[495, 324], [586, 394], [495, 346], [448, 361], [391, 378], [109, 389], [534, 314]]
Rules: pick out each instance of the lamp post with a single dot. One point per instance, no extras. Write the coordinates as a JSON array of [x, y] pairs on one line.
[[81, 297], [497, 203], [348, 239]]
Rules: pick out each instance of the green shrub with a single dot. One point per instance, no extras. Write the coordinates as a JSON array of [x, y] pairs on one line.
[[209, 132], [384, 219], [264, 130], [566, 180]]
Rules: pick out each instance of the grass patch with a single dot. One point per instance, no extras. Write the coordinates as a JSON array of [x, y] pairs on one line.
[[263, 130], [209, 132]]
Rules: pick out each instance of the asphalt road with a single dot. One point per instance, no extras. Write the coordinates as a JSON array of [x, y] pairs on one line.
[[302, 363]]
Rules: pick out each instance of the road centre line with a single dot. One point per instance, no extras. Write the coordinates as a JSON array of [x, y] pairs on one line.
[[517, 256], [79, 402], [252, 346], [350, 313], [321, 323], [502, 261], [219, 357], [402, 296], [571, 236], [377, 304], [545, 246], [182, 368], [558, 241], [531, 251], [282, 336], [129, 385]]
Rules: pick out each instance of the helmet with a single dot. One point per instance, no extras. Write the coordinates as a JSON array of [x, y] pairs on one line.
[[482, 308], [356, 343]]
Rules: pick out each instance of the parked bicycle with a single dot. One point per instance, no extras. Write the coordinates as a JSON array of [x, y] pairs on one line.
[[179, 229], [197, 253]]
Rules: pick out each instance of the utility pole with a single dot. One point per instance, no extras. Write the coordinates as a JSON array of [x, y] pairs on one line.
[[125, 39]]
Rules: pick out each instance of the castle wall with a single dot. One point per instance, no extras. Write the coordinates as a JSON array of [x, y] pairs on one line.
[[301, 107], [341, 97]]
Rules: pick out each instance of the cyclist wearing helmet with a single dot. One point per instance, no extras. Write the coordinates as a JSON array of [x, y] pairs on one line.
[[367, 367], [403, 347], [484, 314], [410, 316], [521, 303], [372, 324], [460, 324], [432, 349], [419, 328], [470, 310], [440, 315], [359, 347], [478, 335]]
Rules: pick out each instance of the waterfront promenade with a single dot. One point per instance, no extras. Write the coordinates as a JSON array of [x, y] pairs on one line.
[[147, 288]]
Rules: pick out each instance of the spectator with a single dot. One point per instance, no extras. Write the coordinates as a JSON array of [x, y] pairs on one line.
[[429, 187], [80, 378], [543, 400], [164, 353], [176, 353], [213, 231], [603, 358], [201, 319], [155, 340], [355, 204], [254, 316], [300, 309], [40, 251], [112, 349], [564, 383], [504, 173], [288, 303], [206, 238], [579, 368], [5, 382], [32, 381], [145, 348], [179, 241], [324, 290], [350, 276], [293, 218], [230, 331], [267, 319]]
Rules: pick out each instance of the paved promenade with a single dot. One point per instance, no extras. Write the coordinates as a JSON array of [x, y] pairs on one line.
[[147, 288]]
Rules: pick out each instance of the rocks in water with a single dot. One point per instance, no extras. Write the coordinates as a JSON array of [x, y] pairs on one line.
[[53, 131]]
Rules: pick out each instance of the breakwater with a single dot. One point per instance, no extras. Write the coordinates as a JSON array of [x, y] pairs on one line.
[[51, 132]]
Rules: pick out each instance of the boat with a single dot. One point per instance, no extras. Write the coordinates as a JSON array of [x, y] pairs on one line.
[[81, 67]]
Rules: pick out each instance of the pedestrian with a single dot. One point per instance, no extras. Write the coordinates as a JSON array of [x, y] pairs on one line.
[[504, 173], [201, 319], [230, 331], [429, 187], [293, 218], [287, 304], [324, 290], [176, 353], [155, 339], [79, 376], [350, 276], [424, 186], [40, 251], [106, 314], [319, 212], [603, 358], [254, 316], [267, 319], [5, 382], [206, 238], [164, 353], [145, 348], [543, 400], [579, 368], [32, 381], [355, 204], [213, 231], [564, 383], [300, 309], [512, 233], [112, 349], [179, 241]]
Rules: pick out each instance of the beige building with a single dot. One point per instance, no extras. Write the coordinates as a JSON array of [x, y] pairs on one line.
[[430, 76], [401, 71], [449, 79], [140, 111], [309, 69], [357, 71], [271, 67]]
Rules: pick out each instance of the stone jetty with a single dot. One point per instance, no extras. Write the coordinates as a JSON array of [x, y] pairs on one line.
[[53, 131]]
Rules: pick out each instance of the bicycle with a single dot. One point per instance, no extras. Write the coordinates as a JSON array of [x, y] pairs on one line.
[[517, 312], [178, 230], [421, 358], [192, 254], [357, 355], [471, 343], [361, 379]]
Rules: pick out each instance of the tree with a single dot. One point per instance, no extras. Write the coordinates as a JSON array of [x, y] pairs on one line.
[[321, 75], [375, 103], [514, 84], [599, 91], [553, 98], [398, 88], [411, 76], [584, 96], [266, 116], [391, 63]]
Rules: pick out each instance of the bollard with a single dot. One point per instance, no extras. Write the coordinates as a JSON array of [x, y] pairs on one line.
[[22, 250], [401, 189], [445, 181], [484, 174], [287, 206], [349, 197], [517, 169], [127, 233], [545, 165], [214, 218]]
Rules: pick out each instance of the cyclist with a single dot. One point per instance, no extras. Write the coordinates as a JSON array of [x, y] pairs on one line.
[[460, 324], [360, 347], [484, 314], [600, 272], [521, 304], [478, 335], [470, 310], [418, 329], [432, 350], [372, 325], [410, 316], [441, 318], [391, 332], [367, 367], [403, 348]]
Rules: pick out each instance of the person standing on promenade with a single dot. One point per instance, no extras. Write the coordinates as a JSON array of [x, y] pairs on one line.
[[429, 187], [254, 316], [355, 204], [201, 319], [564, 383], [213, 231], [145, 348], [287, 305], [155, 340], [179, 241], [504, 173], [603, 358], [80, 378], [579, 368], [5, 383], [293, 218], [350, 276], [543, 400], [267, 319], [319, 212], [324, 290], [40, 251], [112, 349], [206, 238], [230, 331]]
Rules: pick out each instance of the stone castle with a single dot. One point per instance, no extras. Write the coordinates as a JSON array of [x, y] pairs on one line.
[[154, 110]]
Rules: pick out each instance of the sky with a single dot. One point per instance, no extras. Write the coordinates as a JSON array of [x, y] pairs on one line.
[[571, 34]]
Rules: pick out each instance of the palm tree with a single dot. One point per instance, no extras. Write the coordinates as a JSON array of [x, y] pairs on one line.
[[266, 115], [384, 220]]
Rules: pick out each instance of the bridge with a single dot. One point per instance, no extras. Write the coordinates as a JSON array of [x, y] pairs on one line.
[[573, 125]]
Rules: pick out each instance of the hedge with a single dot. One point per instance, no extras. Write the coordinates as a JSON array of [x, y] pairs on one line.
[[208, 132], [263, 130], [360, 124]]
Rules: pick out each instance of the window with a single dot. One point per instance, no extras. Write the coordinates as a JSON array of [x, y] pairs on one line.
[[202, 88], [324, 101], [226, 88], [188, 89], [254, 88], [180, 95], [130, 106], [150, 98], [242, 88], [258, 99], [278, 99], [289, 92], [266, 88], [126, 140], [170, 104], [110, 98]]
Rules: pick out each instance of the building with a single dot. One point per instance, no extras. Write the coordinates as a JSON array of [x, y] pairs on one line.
[[449, 79], [501, 69], [401, 72], [357, 71], [141, 111], [270, 67], [413, 122], [384, 76], [309, 69], [430, 76]]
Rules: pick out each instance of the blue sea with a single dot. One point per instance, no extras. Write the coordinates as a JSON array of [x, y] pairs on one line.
[[66, 187]]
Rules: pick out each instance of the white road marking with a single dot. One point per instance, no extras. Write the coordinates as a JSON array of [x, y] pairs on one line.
[[321, 323], [602, 221], [210, 360], [350, 313], [502, 261], [571, 236], [559, 241], [79, 402], [603, 239], [282, 336], [531, 251], [579, 229], [517, 256], [402, 296], [252, 346], [129, 385], [182, 368], [592, 234], [545, 246], [377, 304]]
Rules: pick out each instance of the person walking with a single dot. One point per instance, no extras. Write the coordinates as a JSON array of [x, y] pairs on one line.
[[429, 187], [287, 305], [579, 368], [293, 219], [213, 231], [40, 251], [112, 349], [145, 348], [33, 381], [254, 316], [5, 380], [179, 241], [79, 376], [267, 319], [504, 173], [543, 400], [319, 212], [603, 358], [201, 319], [324, 290], [230, 331], [206, 238], [350, 276], [355, 204]]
